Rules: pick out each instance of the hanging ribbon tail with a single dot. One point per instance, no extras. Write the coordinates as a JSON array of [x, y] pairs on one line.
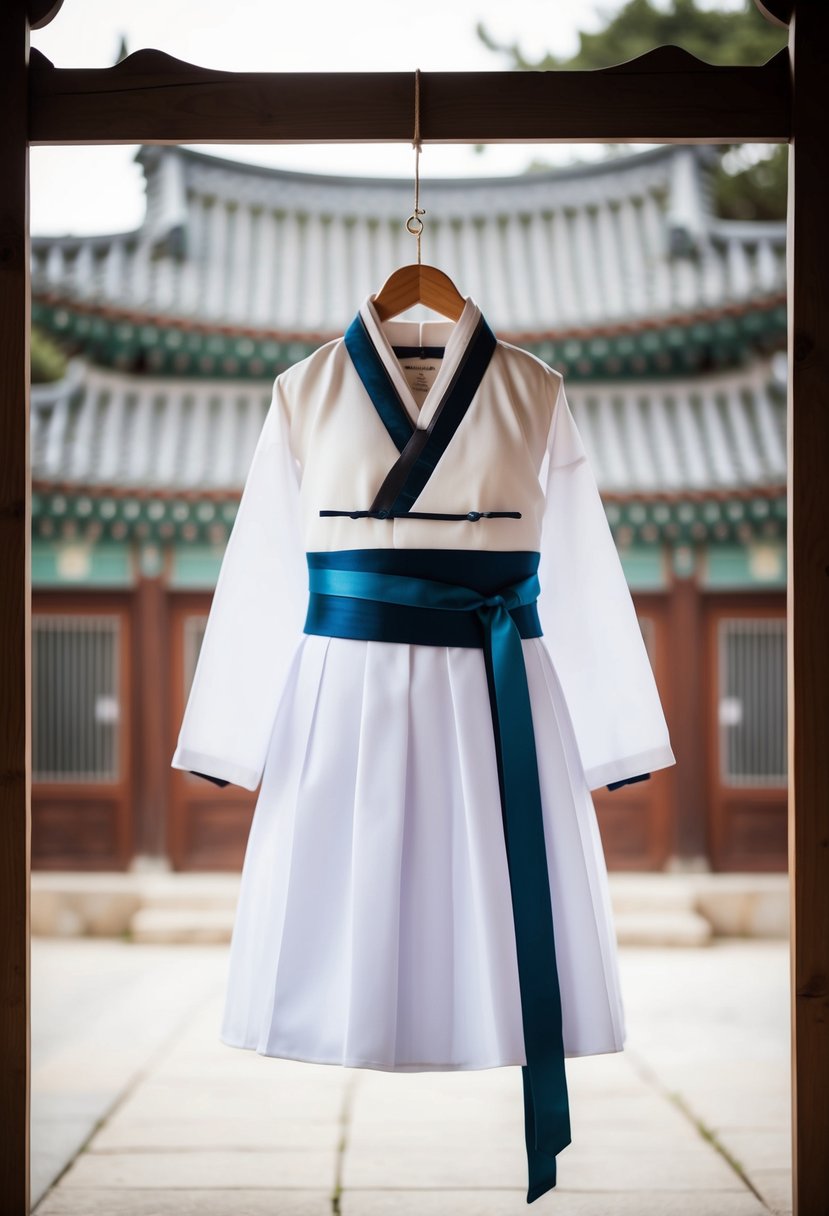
[[546, 1105], [543, 1142]]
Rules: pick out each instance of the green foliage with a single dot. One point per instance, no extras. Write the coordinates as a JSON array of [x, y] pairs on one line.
[[738, 36], [48, 361], [751, 191], [741, 187]]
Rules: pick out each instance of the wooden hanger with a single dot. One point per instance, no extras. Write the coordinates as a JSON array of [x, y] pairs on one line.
[[416, 283]]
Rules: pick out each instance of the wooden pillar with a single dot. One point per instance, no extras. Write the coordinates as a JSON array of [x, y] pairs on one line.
[[689, 850], [15, 675], [808, 575], [151, 667]]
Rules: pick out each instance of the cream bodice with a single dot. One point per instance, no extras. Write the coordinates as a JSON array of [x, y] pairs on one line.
[[492, 461]]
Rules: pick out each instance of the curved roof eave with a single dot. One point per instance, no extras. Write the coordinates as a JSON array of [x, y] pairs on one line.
[[582, 169]]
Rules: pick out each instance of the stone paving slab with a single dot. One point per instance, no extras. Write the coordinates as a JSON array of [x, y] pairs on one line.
[[715, 1032], [497, 1135], [283, 1132], [759, 1148], [632, 1117], [687, 1170], [100, 1013], [562, 1202], [192, 1202], [198, 1100], [775, 1186], [388, 1164], [647, 1108], [278, 1168], [735, 1096]]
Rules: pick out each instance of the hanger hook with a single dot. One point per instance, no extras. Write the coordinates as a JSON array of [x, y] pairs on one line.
[[414, 224]]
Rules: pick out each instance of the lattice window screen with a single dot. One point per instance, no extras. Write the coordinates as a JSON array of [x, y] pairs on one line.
[[751, 655], [76, 697]]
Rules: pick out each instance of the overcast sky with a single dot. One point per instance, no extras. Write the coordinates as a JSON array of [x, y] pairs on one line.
[[99, 189]]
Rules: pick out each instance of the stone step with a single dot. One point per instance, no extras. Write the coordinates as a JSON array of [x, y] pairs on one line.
[[656, 908], [190, 925], [172, 899], [658, 927], [735, 904], [185, 925], [651, 892]]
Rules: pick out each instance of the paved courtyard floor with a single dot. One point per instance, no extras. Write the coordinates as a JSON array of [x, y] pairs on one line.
[[139, 1109]]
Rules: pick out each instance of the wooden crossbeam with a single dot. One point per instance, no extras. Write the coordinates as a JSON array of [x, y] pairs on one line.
[[666, 95]]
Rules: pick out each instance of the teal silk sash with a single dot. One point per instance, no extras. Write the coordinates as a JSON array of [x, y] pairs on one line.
[[398, 601]]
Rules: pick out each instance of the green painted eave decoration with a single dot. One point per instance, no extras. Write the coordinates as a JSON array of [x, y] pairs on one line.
[[691, 349], [159, 350], [154, 348], [140, 517], [194, 520], [710, 520]]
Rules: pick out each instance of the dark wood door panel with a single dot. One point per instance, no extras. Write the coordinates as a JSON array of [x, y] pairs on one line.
[[635, 820], [752, 832], [82, 797], [209, 824], [633, 824]]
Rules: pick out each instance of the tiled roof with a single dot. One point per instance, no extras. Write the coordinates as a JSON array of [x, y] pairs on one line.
[[228, 244], [721, 433], [106, 430]]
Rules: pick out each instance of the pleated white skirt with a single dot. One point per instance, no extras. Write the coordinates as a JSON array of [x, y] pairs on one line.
[[374, 922]]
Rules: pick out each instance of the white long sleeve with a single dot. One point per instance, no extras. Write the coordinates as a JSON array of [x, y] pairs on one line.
[[255, 620], [590, 627]]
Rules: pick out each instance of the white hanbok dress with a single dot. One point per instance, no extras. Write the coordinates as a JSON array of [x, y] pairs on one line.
[[374, 926]]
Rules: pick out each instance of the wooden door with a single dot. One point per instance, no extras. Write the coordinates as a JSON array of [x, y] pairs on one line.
[[746, 732], [208, 824], [635, 820], [82, 815]]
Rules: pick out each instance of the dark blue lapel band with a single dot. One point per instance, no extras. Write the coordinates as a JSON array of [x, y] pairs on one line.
[[388, 584], [420, 447], [417, 461], [377, 383]]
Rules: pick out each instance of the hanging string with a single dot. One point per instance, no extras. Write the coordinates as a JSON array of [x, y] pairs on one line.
[[414, 224]]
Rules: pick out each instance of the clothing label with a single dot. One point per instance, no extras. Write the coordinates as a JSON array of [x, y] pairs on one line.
[[420, 373]]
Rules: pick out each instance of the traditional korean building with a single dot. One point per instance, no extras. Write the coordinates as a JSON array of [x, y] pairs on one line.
[[669, 325]]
